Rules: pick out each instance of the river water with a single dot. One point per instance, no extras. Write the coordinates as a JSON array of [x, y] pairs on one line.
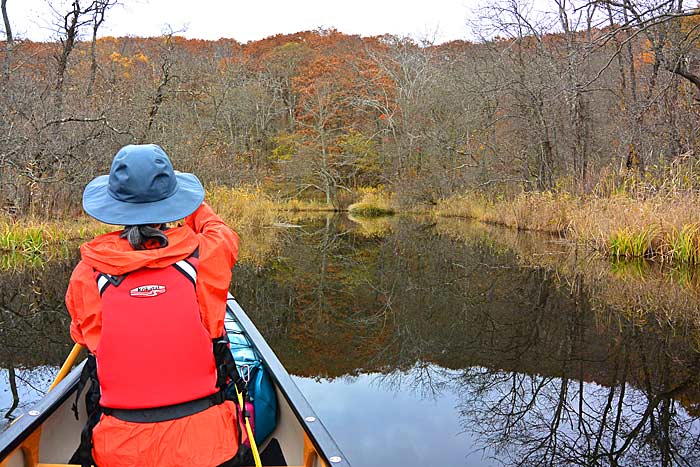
[[449, 343]]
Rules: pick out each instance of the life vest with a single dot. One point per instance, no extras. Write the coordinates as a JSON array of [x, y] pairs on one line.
[[154, 350], [155, 361]]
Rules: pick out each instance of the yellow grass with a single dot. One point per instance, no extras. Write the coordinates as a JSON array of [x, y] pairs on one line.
[[299, 205], [661, 227], [243, 208], [374, 202], [545, 212], [253, 214], [30, 242]]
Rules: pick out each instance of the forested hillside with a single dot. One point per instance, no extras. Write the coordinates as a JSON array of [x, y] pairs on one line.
[[586, 98]]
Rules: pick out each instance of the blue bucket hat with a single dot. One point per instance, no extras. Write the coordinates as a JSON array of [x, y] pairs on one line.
[[142, 188]]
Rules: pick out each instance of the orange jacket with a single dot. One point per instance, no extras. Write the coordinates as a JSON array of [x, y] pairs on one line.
[[205, 439]]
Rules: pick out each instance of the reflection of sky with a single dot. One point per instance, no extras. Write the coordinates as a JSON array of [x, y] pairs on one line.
[[31, 386], [390, 424]]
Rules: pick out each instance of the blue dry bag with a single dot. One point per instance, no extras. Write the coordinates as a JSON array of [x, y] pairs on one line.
[[261, 391]]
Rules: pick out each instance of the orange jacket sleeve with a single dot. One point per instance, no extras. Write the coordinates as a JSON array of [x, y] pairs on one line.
[[218, 251], [85, 307]]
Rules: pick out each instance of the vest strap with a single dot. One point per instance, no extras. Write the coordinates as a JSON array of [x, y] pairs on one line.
[[104, 280], [169, 412], [186, 268]]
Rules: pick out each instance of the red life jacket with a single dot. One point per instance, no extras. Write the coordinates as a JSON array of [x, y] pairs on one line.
[[154, 350]]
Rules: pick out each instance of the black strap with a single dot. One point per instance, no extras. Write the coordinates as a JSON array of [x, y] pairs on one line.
[[226, 369], [83, 455], [117, 280], [92, 397], [170, 412], [228, 379]]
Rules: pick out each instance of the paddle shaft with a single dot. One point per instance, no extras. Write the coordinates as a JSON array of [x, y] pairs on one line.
[[67, 365]]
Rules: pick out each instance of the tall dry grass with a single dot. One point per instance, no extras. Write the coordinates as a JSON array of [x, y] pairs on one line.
[[544, 212], [32, 235], [662, 227], [300, 205], [30, 242], [254, 215], [243, 208]]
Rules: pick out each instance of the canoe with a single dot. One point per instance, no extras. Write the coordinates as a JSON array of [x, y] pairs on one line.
[[48, 434]]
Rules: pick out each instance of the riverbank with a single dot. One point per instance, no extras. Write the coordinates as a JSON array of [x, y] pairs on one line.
[[663, 228]]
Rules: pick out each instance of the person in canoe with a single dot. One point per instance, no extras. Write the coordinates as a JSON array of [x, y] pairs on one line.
[[148, 302]]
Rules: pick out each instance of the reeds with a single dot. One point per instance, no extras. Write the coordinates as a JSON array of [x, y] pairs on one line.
[[543, 212], [26, 241], [31, 236], [300, 205], [628, 243], [676, 246], [31, 242], [253, 214], [684, 245]]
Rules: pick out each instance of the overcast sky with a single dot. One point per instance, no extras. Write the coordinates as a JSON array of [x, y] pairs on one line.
[[441, 20]]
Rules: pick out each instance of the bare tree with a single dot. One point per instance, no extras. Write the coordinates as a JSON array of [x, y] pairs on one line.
[[166, 76], [662, 25], [98, 17]]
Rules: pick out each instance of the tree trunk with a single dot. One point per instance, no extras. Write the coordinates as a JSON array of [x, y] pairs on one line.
[[98, 18], [68, 42], [93, 60], [8, 41]]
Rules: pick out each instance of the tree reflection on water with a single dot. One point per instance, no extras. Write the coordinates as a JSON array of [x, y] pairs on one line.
[[549, 362], [545, 374], [536, 420]]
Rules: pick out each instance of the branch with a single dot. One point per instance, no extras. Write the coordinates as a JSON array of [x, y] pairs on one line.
[[102, 119]]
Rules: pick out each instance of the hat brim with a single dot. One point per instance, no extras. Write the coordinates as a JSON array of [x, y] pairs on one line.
[[98, 203]]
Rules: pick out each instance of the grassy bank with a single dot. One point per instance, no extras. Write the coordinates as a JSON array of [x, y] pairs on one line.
[[30, 242], [33, 236], [665, 228]]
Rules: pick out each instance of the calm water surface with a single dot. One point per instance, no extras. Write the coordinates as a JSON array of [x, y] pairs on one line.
[[447, 344]]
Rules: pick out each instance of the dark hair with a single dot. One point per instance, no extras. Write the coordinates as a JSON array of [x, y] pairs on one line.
[[142, 237]]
